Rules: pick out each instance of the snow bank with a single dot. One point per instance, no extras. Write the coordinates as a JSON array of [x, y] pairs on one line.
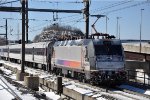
[[51, 96], [142, 91]]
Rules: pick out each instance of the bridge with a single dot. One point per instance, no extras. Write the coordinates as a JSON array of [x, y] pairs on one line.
[[132, 51]]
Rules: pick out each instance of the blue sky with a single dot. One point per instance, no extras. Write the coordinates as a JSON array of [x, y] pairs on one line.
[[129, 11]]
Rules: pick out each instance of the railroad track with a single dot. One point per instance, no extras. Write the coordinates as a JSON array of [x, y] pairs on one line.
[[95, 91], [7, 88], [114, 93]]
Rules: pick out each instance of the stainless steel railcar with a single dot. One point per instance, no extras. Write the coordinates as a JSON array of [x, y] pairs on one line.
[[36, 54], [92, 60]]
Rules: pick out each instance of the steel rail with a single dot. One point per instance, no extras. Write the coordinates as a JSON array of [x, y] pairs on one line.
[[9, 89]]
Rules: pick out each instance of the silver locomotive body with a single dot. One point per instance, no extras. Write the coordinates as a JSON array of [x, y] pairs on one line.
[[93, 60]]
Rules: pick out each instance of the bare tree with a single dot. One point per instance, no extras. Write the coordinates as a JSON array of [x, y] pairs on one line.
[[57, 31]]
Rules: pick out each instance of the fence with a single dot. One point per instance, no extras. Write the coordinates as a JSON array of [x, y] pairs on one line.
[[138, 77]]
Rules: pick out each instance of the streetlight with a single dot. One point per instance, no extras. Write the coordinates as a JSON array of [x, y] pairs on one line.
[[117, 26], [106, 23], [141, 29], [119, 31]]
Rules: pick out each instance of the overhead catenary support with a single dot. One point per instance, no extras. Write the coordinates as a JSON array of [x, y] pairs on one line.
[[6, 33], [18, 9], [86, 12], [27, 21], [23, 37]]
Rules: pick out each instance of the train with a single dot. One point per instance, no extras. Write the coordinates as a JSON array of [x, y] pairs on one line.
[[88, 60]]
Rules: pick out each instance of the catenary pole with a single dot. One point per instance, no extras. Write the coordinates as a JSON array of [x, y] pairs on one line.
[[23, 37], [86, 12]]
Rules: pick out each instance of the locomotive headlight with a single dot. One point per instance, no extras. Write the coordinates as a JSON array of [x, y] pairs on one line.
[[99, 58]]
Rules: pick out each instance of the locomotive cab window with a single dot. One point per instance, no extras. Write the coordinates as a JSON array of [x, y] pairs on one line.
[[107, 48]]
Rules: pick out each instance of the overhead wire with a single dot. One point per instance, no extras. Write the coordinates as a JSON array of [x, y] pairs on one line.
[[111, 6], [43, 20], [126, 7], [76, 20], [34, 30], [72, 20], [55, 20], [9, 2], [98, 9], [79, 20], [42, 24]]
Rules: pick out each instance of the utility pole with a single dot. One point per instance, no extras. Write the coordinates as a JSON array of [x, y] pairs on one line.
[[6, 33], [18, 33], [119, 31], [26, 21], [86, 12], [117, 27], [23, 37], [141, 31], [106, 23]]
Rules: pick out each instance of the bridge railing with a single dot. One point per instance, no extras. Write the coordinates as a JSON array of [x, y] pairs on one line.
[[138, 77]]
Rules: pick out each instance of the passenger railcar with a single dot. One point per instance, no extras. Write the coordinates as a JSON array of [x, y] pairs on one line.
[[36, 54]]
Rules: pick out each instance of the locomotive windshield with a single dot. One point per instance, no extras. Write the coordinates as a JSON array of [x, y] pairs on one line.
[[108, 49]]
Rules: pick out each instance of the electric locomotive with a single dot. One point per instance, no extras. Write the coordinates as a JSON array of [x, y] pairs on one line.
[[91, 60]]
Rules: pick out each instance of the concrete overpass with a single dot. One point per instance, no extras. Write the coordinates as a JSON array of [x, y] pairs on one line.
[[136, 60], [132, 51]]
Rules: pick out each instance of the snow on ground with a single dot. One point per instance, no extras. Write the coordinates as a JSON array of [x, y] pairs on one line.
[[83, 89], [136, 97], [142, 91], [80, 90], [6, 95], [49, 95], [52, 95], [6, 70]]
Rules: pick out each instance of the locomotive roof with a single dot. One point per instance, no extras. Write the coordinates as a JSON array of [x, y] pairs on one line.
[[73, 42], [86, 42], [31, 45], [37, 45]]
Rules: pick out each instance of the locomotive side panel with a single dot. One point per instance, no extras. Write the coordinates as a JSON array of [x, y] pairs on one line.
[[91, 56], [67, 56]]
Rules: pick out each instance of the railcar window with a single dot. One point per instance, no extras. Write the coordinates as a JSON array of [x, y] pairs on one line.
[[14, 50], [5, 50], [108, 50], [40, 53]]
